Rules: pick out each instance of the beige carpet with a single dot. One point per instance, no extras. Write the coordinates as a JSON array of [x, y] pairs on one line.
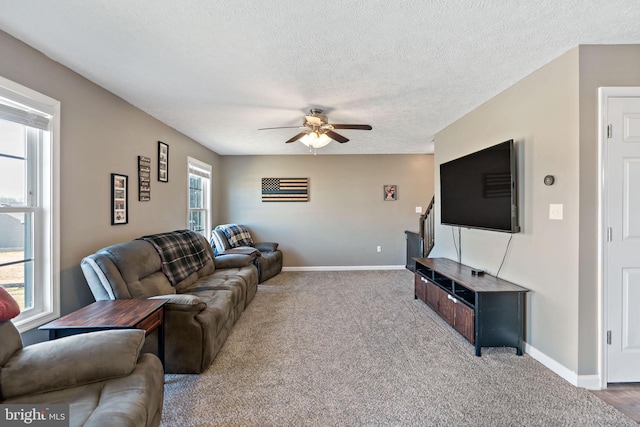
[[356, 348]]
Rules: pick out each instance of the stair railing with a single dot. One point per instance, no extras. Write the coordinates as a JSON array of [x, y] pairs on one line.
[[427, 230]]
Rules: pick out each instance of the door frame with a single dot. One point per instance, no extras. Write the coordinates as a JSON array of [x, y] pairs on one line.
[[604, 93]]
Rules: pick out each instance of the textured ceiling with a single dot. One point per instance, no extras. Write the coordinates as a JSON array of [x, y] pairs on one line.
[[219, 70]]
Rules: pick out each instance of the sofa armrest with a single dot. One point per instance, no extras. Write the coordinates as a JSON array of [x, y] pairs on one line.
[[266, 246], [71, 361], [233, 261], [182, 302], [242, 250]]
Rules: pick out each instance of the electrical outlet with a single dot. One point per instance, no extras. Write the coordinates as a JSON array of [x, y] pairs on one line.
[[379, 249]]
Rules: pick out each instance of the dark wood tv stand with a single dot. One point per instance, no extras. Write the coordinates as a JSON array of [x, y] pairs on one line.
[[486, 310]]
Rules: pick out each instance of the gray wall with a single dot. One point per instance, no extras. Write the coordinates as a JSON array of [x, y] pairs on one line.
[[552, 114], [541, 114], [100, 134], [346, 217]]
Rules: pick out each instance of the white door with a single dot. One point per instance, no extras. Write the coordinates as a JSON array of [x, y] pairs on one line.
[[622, 249]]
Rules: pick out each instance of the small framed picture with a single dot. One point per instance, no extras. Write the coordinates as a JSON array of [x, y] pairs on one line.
[[390, 192], [144, 181], [163, 162], [119, 199]]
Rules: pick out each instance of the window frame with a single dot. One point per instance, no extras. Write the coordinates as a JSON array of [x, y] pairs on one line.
[[206, 169], [45, 179]]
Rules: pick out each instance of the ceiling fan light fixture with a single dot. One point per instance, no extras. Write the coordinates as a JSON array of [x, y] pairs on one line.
[[319, 132], [315, 139]]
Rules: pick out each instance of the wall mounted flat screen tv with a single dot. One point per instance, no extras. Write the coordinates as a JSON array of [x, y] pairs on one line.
[[479, 190]]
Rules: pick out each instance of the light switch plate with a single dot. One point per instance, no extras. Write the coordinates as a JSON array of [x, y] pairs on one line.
[[418, 209], [555, 211]]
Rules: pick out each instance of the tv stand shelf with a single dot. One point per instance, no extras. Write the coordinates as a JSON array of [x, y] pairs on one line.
[[486, 310]]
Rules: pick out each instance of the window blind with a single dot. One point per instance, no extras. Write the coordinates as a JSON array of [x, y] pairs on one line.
[[198, 171], [29, 118]]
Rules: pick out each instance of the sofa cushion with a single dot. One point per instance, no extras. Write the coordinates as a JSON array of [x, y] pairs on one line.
[[216, 282], [153, 284], [208, 269], [219, 310], [237, 235], [126, 270]]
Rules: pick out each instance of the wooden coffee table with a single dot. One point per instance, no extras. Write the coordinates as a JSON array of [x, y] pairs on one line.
[[145, 314]]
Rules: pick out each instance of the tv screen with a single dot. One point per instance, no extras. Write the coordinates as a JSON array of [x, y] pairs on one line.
[[479, 190]]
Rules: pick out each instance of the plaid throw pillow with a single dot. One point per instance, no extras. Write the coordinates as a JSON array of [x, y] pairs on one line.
[[237, 235]]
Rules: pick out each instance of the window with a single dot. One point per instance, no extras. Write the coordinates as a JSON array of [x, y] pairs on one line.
[[29, 224], [199, 197]]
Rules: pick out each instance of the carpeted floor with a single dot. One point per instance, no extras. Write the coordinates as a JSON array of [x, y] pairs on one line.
[[354, 348]]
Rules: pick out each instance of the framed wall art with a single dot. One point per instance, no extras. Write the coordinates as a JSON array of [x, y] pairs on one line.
[[163, 162], [390, 193], [285, 189], [119, 199], [144, 178]]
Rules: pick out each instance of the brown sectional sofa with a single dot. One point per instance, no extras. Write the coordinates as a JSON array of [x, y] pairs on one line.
[[204, 302]]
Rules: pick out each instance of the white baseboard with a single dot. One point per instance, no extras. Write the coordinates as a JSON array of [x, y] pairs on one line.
[[591, 382], [345, 268]]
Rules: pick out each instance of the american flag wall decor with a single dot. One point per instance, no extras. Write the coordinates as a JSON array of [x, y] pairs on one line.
[[285, 189]]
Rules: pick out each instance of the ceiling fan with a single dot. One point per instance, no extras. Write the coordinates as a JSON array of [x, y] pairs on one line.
[[318, 132]]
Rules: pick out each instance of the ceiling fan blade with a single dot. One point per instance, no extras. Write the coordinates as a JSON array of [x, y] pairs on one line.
[[336, 137], [360, 127], [297, 137], [284, 127]]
